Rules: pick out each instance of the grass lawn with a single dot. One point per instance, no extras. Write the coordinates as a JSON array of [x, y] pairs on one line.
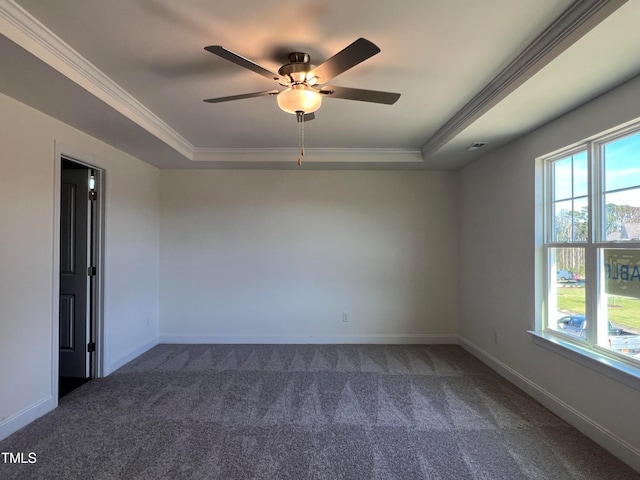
[[623, 311]]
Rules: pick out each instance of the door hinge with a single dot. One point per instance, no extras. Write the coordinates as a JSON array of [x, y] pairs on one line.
[[91, 271], [93, 194], [91, 347]]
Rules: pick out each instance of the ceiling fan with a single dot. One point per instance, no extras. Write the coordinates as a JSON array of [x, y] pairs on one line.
[[305, 84]]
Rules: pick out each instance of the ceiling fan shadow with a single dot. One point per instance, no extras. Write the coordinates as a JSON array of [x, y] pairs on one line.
[[191, 68]]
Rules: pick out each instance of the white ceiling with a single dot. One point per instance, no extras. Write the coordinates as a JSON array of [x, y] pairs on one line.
[[134, 74]]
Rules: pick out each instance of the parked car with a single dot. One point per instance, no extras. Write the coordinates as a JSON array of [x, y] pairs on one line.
[[574, 325], [619, 339], [566, 276]]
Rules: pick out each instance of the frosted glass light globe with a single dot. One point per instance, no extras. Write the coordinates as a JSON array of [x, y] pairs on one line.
[[299, 99]]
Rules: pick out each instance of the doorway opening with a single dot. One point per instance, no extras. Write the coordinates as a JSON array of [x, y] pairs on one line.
[[79, 280]]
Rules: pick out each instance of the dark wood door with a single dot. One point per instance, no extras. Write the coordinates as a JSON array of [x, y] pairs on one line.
[[74, 263]]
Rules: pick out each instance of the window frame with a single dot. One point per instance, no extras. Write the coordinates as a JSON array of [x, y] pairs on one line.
[[595, 246]]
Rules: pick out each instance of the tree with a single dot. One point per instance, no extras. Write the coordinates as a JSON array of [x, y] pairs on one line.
[[617, 215], [581, 225]]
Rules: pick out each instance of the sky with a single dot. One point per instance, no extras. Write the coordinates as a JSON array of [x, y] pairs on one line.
[[621, 159]]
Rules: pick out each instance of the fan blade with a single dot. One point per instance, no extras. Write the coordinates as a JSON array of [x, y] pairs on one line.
[[345, 59], [244, 62], [373, 96], [240, 97]]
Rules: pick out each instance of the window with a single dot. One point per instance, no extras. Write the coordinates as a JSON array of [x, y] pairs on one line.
[[592, 246]]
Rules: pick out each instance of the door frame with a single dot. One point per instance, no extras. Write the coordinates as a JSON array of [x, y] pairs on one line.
[[97, 357]]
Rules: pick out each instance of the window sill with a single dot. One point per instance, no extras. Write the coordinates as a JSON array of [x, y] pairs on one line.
[[612, 368]]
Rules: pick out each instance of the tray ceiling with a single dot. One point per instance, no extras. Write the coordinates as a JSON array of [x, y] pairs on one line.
[[134, 74]]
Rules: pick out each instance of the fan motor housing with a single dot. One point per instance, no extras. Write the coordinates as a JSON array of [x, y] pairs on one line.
[[297, 68]]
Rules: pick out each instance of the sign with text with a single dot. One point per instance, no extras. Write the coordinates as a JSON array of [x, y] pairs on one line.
[[622, 272]]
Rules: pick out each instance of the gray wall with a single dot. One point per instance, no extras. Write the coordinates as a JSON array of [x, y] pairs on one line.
[[498, 223], [278, 256], [29, 142]]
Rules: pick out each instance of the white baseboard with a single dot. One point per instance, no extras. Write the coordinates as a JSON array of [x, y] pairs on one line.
[[26, 416], [423, 339], [131, 355], [603, 437]]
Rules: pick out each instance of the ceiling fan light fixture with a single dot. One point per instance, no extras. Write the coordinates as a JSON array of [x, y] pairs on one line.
[[299, 98]]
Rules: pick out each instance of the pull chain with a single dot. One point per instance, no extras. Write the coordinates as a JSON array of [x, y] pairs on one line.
[[300, 117]]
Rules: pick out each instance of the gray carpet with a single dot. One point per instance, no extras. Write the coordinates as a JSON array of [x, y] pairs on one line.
[[305, 412]]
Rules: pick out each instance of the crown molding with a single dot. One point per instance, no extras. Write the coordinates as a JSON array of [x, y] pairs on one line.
[[317, 155], [575, 22], [25, 30]]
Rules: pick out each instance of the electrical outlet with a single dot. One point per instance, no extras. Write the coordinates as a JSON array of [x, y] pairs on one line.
[[345, 316]]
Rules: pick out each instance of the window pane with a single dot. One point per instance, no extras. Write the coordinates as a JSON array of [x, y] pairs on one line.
[[567, 292], [619, 322], [570, 197], [571, 177], [562, 179], [623, 215], [563, 221], [580, 219], [571, 220], [580, 174], [622, 163]]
